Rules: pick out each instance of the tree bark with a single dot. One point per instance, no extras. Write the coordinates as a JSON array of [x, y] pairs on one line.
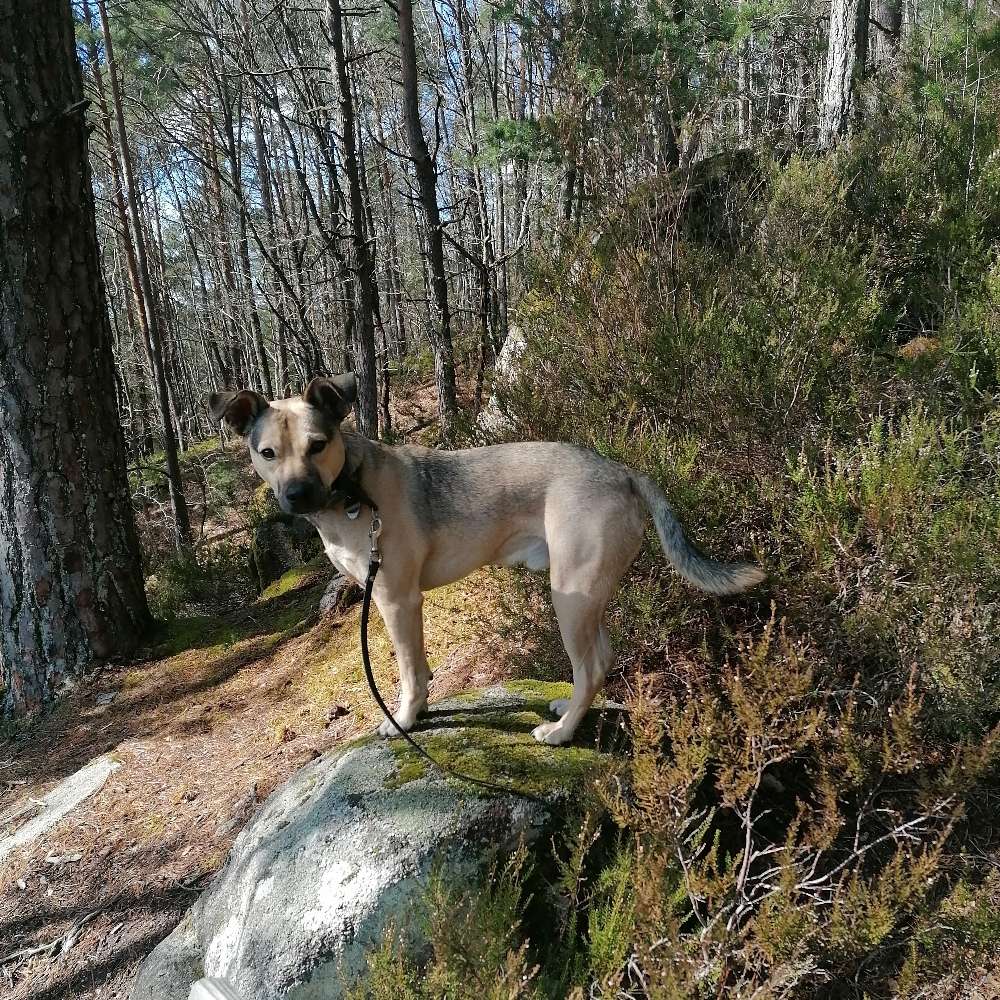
[[888, 15], [71, 588], [243, 242], [845, 67], [423, 164]]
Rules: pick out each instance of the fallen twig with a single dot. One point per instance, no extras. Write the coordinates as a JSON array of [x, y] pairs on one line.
[[63, 943]]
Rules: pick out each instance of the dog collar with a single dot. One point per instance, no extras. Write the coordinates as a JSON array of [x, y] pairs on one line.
[[348, 491]]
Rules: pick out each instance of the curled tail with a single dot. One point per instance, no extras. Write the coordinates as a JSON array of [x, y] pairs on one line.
[[704, 573]]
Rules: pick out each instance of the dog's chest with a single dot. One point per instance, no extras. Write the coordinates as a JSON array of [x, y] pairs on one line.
[[345, 541]]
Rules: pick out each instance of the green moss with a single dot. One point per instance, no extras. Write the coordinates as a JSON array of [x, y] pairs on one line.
[[495, 744], [214, 634], [334, 672], [409, 770], [296, 578], [198, 631], [544, 691]]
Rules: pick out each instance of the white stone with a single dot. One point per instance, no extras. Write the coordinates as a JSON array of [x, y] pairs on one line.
[[341, 852], [63, 799]]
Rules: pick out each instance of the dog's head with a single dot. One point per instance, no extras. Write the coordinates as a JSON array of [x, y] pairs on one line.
[[295, 444]]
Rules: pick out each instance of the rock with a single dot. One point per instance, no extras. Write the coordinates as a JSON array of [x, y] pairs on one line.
[[344, 848], [336, 711], [63, 799], [278, 542], [279, 545], [340, 594], [506, 373], [241, 812], [213, 989]]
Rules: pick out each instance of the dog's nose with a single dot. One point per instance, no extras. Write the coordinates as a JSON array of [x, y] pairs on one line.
[[296, 493]]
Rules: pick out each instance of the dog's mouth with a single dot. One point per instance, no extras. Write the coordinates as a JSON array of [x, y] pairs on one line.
[[298, 507]]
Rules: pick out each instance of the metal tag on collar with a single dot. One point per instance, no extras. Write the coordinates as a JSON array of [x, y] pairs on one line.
[[352, 510]]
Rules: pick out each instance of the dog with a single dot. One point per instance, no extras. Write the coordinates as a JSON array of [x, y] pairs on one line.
[[447, 513]]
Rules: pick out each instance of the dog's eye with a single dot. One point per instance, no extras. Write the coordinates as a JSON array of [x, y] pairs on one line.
[[267, 453], [316, 446]]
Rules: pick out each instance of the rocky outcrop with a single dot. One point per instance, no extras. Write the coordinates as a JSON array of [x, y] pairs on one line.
[[494, 420], [344, 849], [278, 542]]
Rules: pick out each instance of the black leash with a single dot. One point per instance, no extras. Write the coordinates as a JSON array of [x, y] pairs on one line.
[[348, 490]]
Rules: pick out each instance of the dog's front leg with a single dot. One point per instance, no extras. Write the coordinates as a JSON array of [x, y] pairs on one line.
[[404, 619]]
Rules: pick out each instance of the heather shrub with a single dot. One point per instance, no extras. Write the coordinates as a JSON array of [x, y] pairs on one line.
[[808, 806], [775, 835], [804, 352]]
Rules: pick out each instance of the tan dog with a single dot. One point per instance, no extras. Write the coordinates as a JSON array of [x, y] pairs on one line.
[[446, 513]]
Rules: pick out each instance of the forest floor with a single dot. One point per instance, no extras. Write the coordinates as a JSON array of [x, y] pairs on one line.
[[213, 714]]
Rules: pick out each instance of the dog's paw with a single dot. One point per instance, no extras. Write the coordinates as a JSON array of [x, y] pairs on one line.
[[558, 707], [388, 730], [406, 717], [553, 734]]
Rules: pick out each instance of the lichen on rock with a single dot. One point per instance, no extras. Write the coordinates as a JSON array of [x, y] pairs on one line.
[[346, 847], [503, 750]]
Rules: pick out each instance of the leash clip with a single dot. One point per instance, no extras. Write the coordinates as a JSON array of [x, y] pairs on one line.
[[373, 536]]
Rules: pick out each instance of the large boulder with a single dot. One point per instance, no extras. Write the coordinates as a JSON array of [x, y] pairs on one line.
[[494, 420], [344, 849]]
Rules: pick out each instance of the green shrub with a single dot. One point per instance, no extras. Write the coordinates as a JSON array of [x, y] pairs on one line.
[[810, 795], [474, 941], [198, 579], [776, 835]]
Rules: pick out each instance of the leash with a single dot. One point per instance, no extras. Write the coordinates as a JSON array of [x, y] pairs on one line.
[[356, 495]]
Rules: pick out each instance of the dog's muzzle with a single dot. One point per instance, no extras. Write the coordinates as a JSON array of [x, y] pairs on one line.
[[300, 497]]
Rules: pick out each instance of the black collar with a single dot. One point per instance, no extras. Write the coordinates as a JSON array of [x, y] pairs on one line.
[[347, 489]]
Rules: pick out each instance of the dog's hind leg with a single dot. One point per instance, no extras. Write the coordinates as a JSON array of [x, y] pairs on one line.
[[404, 620], [590, 552], [589, 649]]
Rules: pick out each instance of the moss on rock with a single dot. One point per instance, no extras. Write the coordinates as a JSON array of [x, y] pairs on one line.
[[487, 736], [297, 577]]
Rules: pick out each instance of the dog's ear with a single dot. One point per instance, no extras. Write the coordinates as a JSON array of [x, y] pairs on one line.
[[238, 409], [334, 396]]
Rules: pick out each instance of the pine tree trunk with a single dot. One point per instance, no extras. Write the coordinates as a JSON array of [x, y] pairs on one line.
[[154, 342], [395, 291], [71, 588], [243, 247], [366, 292], [444, 356], [845, 66], [888, 34]]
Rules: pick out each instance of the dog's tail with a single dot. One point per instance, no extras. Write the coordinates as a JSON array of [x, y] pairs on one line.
[[704, 573]]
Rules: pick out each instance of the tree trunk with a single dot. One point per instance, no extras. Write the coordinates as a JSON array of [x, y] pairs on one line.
[[243, 245], [444, 356], [366, 293], [845, 66], [395, 291], [888, 34], [116, 181], [154, 342], [71, 588]]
